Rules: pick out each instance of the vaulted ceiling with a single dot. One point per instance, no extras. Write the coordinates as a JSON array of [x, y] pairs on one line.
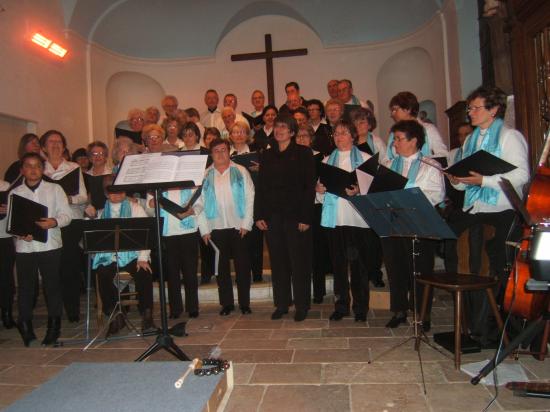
[[191, 28]]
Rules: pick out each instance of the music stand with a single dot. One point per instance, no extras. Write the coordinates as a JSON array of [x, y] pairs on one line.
[[152, 168], [408, 214], [111, 236]]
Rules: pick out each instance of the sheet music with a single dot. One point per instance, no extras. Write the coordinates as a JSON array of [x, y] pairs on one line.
[[161, 168], [364, 180]]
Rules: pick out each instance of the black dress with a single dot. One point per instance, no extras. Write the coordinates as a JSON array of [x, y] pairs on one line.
[[322, 140]]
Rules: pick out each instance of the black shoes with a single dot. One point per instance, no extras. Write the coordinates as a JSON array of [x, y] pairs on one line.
[[53, 332], [360, 317], [73, 318], [147, 324], [7, 318], [194, 314], [245, 310], [257, 278], [378, 283], [300, 315], [278, 314], [337, 315], [426, 325], [396, 320], [175, 315], [26, 331], [116, 324], [205, 280], [227, 310]]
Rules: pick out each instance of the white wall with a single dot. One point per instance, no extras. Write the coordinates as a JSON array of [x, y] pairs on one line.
[[38, 87], [189, 78]]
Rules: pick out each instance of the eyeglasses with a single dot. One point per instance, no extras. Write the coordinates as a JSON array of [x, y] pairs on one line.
[[394, 109], [154, 137], [474, 108], [342, 133], [220, 150], [399, 139], [97, 154], [137, 119]]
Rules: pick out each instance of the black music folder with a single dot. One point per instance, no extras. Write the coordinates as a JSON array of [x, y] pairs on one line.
[[174, 208], [481, 162], [22, 215], [253, 121], [70, 182], [247, 159], [134, 136], [94, 186], [336, 180], [382, 179]]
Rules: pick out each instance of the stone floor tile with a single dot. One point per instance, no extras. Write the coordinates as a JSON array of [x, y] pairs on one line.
[[330, 355], [258, 324], [244, 343], [31, 356], [306, 324], [509, 402], [305, 398], [245, 398], [540, 369], [249, 334], [95, 355], [29, 375], [296, 333], [258, 356], [318, 343], [382, 372], [242, 372], [458, 397], [286, 374], [356, 332], [11, 393], [396, 397]]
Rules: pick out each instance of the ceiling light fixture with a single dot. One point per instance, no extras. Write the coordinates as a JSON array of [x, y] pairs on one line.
[[48, 44]]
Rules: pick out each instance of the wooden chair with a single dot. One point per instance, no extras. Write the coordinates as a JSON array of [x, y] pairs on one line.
[[126, 298], [457, 284]]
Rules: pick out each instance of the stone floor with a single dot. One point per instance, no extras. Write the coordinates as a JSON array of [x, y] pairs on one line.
[[315, 365]]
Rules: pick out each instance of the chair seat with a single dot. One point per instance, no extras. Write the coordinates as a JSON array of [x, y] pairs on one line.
[[457, 281]]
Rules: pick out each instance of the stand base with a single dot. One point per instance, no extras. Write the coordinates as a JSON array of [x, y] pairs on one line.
[[447, 340], [164, 341]]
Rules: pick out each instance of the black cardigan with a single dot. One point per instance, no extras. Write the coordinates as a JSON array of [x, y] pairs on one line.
[[286, 184]]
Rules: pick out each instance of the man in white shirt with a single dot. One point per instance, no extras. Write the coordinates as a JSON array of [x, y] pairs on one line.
[[258, 101], [33, 256], [230, 100], [346, 96], [212, 117], [227, 218]]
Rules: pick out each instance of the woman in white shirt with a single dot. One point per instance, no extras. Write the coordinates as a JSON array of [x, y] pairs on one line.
[[348, 234], [408, 140], [56, 167]]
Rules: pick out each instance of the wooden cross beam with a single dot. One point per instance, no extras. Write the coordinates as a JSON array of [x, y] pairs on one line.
[[269, 55]]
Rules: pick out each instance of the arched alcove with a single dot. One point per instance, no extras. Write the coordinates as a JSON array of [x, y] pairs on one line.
[[408, 70], [126, 90], [429, 107]]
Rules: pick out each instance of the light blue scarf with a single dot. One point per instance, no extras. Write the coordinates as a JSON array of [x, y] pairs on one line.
[[330, 202], [105, 259], [370, 142], [458, 155], [397, 166], [491, 144], [237, 189], [425, 150], [187, 223]]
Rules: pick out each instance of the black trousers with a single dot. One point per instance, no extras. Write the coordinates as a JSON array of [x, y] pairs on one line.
[[374, 257], [108, 292], [231, 245], [28, 265], [399, 266], [207, 260], [290, 255], [255, 241], [71, 260], [7, 281], [321, 255], [182, 254], [458, 220], [348, 248]]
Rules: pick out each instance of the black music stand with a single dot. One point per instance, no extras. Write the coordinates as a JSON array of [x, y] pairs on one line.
[[111, 236], [404, 213]]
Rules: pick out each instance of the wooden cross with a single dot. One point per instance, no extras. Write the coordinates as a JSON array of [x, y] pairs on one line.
[[268, 55]]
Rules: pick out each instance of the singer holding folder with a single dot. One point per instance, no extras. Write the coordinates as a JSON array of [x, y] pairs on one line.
[[349, 236], [227, 219], [33, 256], [408, 140], [56, 168], [484, 200]]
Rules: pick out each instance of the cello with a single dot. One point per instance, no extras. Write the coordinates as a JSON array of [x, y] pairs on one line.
[[526, 304]]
